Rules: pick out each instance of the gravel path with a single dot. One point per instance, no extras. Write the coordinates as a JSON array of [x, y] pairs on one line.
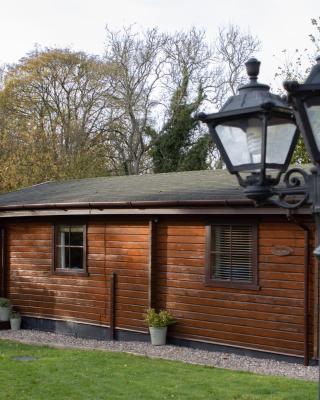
[[192, 356]]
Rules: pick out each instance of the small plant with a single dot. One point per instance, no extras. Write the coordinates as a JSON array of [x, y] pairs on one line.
[[4, 302], [15, 315], [159, 320]]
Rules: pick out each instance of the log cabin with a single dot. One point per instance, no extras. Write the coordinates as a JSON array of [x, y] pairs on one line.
[[88, 257]]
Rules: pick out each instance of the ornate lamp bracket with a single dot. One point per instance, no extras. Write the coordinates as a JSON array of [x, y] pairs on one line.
[[295, 191]]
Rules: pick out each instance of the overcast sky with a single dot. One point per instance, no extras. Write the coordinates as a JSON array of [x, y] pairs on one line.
[[279, 24]]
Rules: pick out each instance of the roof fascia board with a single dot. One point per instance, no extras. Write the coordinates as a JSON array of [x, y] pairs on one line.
[[155, 211], [128, 204]]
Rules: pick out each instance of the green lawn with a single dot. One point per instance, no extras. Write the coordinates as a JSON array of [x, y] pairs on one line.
[[92, 375]]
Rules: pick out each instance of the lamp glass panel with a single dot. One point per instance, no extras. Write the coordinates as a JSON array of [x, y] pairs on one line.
[[241, 140], [313, 112], [280, 135]]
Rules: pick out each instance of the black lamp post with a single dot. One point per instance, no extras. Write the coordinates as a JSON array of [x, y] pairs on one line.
[[305, 100], [256, 134]]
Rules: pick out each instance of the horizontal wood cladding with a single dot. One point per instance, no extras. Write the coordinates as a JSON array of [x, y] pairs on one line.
[[130, 262], [271, 318], [36, 291], [117, 247]]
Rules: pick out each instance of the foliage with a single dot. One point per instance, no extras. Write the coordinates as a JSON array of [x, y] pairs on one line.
[[66, 114], [157, 320], [174, 149], [53, 118], [197, 156], [180, 144], [58, 374], [315, 37], [300, 154], [15, 315], [5, 302]]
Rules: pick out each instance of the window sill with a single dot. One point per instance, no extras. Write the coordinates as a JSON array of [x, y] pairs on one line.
[[70, 272], [232, 285]]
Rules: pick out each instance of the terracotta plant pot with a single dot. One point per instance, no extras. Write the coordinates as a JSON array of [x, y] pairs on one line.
[[158, 335]]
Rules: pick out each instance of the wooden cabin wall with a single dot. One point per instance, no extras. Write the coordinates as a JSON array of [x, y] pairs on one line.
[[36, 291], [127, 255], [271, 318], [118, 247]]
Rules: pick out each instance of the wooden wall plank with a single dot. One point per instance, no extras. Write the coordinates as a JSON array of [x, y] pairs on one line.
[[270, 318]]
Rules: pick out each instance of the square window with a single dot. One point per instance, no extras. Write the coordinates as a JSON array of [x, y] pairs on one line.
[[70, 248], [232, 255]]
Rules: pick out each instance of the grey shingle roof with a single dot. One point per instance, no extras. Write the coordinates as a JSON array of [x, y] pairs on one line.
[[180, 186]]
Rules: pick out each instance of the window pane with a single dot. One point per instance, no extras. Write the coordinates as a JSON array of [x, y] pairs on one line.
[[63, 235], [221, 255], [279, 140], [313, 111], [63, 257], [76, 235], [232, 253], [69, 247], [76, 257], [242, 140]]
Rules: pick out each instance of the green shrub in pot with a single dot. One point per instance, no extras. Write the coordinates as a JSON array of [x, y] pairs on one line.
[[15, 321], [158, 323], [5, 309]]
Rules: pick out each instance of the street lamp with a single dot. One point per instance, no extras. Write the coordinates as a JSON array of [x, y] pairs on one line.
[[256, 134], [305, 99]]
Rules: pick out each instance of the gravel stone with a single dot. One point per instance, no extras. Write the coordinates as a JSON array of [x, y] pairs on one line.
[[169, 352]]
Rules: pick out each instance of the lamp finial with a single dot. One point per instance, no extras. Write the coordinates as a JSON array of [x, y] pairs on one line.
[[253, 67]]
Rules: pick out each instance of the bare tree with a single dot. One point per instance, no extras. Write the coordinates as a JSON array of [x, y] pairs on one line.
[[178, 144], [138, 61], [296, 65], [232, 49], [188, 54], [158, 75]]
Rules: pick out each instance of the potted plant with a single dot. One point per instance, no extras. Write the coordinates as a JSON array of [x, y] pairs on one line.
[[5, 309], [158, 325], [15, 321]]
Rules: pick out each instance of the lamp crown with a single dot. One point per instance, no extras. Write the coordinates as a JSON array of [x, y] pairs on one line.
[[253, 68]]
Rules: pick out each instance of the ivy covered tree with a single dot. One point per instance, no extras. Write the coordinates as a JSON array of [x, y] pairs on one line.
[[181, 145], [177, 148]]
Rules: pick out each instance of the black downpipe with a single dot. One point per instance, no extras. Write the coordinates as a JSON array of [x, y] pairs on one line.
[[306, 287], [3, 287], [112, 306]]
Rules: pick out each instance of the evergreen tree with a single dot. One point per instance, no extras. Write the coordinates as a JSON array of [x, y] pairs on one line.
[[177, 147]]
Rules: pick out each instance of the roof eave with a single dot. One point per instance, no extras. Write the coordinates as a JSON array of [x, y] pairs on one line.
[[129, 204], [186, 207]]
